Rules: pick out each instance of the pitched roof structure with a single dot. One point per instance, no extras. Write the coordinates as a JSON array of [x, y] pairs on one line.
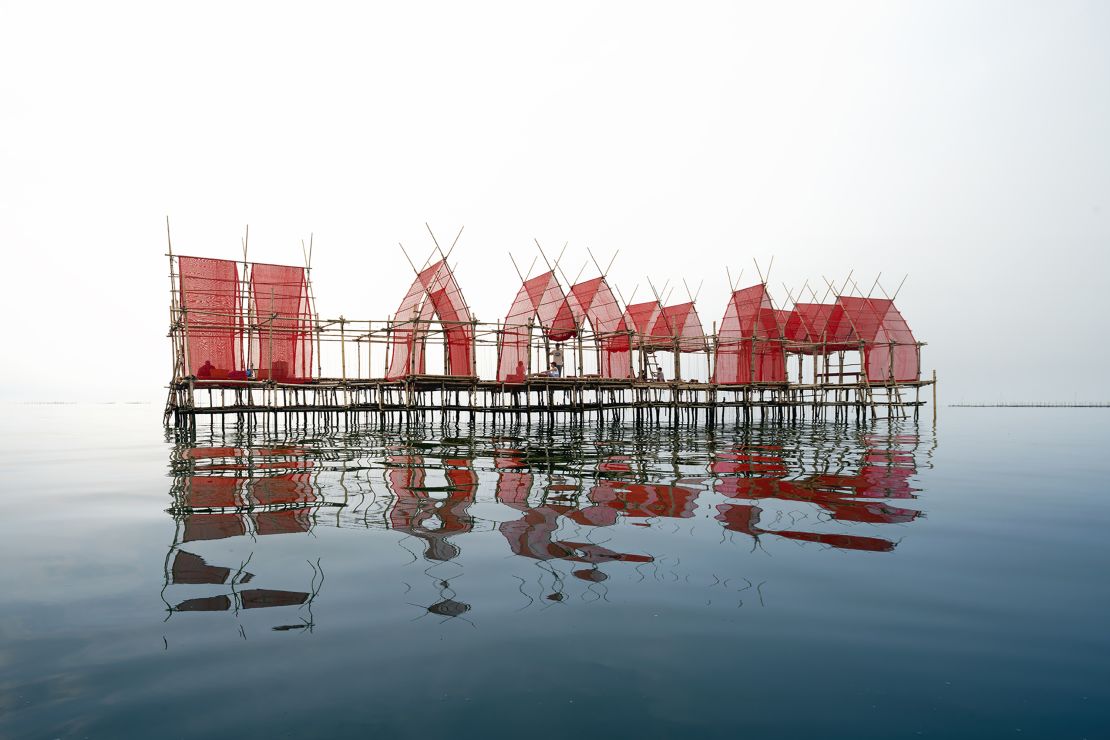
[[749, 342]]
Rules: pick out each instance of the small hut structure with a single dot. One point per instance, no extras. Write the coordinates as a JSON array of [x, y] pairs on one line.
[[890, 354], [750, 341]]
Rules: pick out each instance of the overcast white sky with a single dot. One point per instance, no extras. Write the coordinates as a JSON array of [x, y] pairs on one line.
[[964, 143]]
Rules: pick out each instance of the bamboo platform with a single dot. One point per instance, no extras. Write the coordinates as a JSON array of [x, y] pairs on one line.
[[247, 341], [419, 398]]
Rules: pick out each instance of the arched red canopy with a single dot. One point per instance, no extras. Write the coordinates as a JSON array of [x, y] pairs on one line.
[[593, 301], [434, 292], [540, 298]]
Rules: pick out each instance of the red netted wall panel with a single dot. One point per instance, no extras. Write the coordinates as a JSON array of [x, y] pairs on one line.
[[889, 349], [641, 318], [406, 345], [592, 300], [447, 299], [749, 344], [895, 355], [211, 311], [817, 328], [434, 292], [681, 324], [282, 325], [540, 297]]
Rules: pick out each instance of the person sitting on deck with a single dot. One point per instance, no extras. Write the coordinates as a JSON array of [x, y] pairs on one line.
[[659, 375], [517, 376], [554, 371], [206, 369]]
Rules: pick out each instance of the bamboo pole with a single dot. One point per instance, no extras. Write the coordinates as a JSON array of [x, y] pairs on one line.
[[270, 359], [343, 349], [388, 345], [934, 397]]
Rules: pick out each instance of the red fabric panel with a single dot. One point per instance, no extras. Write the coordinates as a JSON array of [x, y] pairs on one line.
[[540, 297], [818, 324], [214, 332], [749, 346], [408, 349], [895, 355], [284, 320], [434, 292], [582, 296], [407, 353], [889, 347], [641, 318], [447, 300], [512, 356], [865, 316], [679, 322], [594, 301], [554, 312], [795, 329]]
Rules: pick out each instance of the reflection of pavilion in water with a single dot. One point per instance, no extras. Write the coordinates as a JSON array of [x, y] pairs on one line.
[[753, 472], [226, 492], [214, 501]]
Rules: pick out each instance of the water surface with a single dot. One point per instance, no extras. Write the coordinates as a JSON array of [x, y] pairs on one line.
[[595, 580]]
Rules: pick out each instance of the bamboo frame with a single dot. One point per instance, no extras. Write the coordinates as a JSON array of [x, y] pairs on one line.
[[485, 395]]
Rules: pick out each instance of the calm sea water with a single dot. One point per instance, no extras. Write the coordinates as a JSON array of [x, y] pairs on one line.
[[773, 582]]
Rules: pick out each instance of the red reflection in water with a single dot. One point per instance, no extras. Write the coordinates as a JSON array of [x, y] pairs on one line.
[[636, 500], [885, 474], [415, 511]]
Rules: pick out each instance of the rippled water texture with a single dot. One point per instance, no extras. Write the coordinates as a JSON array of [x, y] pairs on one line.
[[773, 581]]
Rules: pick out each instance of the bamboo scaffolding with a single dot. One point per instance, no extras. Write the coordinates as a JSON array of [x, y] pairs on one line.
[[332, 390]]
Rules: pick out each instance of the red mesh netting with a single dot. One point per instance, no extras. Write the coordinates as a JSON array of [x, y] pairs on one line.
[[434, 292], [540, 297], [889, 349], [679, 323], [640, 318], [594, 301], [213, 327], [817, 328], [749, 345], [282, 323]]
